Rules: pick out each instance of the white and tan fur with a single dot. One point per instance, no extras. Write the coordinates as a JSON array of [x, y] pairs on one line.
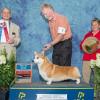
[[53, 73]]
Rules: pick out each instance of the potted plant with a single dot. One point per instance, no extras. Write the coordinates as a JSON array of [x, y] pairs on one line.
[[95, 64], [97, 75], [7, 72]]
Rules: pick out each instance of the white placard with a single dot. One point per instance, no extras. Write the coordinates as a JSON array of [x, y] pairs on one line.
[[51, 97]]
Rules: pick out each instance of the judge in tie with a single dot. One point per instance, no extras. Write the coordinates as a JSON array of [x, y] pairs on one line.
[[9, 32]]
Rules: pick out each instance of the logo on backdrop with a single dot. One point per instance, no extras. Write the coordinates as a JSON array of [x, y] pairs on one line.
[[80, 96], [21, 96]]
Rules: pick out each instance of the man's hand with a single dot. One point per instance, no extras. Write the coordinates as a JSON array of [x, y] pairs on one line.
[[99, 45], [2, 24], [10, 41], [47, 46]]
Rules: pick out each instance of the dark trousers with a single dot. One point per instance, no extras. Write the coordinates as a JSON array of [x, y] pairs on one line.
[[62, 53]]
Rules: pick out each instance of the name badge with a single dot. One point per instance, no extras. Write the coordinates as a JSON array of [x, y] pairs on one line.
[[61, 30]]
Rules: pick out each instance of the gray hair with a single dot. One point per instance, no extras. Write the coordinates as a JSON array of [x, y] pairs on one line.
[[5, 8], [45, 5]]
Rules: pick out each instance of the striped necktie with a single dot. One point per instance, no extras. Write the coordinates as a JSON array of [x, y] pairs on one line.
[[6, 33]]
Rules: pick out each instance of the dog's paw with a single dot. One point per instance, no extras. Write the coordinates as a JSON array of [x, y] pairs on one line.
[[49, 83], [77, 81]]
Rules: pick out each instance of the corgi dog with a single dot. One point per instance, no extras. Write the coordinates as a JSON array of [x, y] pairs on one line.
[[52, 73]]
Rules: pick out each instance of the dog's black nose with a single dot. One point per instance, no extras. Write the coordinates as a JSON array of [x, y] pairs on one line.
[[33, 60]]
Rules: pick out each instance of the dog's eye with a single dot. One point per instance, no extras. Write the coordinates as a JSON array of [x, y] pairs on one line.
[[37, 57]]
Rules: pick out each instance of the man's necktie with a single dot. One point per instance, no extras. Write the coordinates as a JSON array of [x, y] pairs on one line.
[[6, 33]]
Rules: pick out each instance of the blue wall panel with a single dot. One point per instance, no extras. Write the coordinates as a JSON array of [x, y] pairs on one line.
[[34, 30]]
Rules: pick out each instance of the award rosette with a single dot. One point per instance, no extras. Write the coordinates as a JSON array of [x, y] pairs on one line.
[[90, 45]]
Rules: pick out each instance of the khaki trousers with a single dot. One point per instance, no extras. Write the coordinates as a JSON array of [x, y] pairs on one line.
[[86, 71]]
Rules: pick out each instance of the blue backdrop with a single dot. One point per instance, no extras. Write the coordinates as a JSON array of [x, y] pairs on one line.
[[34, 30]]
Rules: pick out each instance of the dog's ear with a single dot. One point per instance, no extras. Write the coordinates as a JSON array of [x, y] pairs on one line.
[[43, 52], [35, 52]]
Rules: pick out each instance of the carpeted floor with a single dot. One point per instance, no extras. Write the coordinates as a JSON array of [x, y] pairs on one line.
[[64, 84]]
